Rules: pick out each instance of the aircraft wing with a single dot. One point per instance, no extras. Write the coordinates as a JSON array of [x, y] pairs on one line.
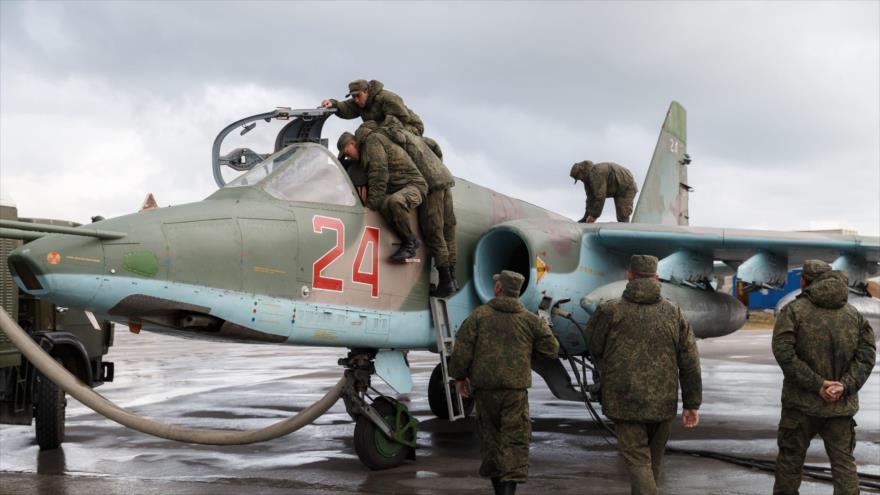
[[689, 249]]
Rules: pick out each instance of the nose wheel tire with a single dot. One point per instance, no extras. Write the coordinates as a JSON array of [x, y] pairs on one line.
[[437, 397], [49, 409], [375, 449]]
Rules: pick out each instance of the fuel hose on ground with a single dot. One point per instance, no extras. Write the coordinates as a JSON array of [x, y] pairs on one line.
[[95, 401]]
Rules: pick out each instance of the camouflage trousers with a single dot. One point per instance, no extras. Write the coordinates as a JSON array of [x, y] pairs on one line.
[[642, 445], [396, 207], [437, 219], [623, 204], [505, 433], [796, 430]]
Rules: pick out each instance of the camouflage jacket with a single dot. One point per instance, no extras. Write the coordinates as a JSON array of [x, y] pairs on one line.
[[817, 337], [380, 104], [495, 344], [389, 169], [432, 168], [606, 180], [643, 345]]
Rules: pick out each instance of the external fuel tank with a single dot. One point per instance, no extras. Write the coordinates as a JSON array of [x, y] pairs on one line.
[[710, 313]]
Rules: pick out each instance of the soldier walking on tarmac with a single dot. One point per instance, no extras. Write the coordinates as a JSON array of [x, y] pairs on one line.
[[369, 100], [394, 184], [493, 353], [643, 345], [826, 350], [605, 180]]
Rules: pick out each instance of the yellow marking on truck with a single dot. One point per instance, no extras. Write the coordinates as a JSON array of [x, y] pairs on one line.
[[325, 335]]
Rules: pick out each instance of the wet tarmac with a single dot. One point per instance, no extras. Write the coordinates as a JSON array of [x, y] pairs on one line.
[[243, 386]]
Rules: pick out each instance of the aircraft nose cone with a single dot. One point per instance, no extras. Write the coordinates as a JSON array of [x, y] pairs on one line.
[[65, 269]]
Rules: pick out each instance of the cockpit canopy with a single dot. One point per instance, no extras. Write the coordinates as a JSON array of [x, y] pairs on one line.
[[302, 172]]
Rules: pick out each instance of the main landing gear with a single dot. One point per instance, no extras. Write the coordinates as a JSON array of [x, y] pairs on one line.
[[385, 430]]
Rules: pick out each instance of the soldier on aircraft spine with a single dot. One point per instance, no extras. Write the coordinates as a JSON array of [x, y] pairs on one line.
[[605, 180]]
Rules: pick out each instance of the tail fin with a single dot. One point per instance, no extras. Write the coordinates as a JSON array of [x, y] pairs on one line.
[[664, 196]]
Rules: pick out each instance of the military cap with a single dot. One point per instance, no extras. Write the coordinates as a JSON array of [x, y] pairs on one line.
[[643, 265], [814, 268], [356, 86], [578, 168], [511, 282], [343, 140]]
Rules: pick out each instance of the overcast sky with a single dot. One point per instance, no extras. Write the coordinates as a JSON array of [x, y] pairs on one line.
[[101, 103]]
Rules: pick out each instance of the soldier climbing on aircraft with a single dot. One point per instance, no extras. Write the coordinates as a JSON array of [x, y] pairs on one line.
[[355, 171], [394, 184], [371, 101], [603, 180], [436, 215]]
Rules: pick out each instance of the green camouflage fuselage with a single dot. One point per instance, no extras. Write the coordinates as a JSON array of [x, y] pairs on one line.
[[244, 265]]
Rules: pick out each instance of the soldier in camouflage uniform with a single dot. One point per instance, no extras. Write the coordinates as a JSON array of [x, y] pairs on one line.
[[371, 101], [437, 214], [355, 172], [826, 350], [493, 352], [394, 184], [643, 345], [605, 180]]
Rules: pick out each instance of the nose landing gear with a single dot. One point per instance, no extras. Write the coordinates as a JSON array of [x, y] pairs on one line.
[[385, 430]]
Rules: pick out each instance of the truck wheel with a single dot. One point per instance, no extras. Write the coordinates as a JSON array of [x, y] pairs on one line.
[[49, 408], [372, 446], [437, 397]]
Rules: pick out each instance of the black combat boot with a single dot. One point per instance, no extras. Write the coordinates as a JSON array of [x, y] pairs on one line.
[[445, 288], [507, 487], [496, 485], [406, 250]]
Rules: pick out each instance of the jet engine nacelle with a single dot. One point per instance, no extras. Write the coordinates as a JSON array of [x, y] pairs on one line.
[[710, 313], [545, 251]]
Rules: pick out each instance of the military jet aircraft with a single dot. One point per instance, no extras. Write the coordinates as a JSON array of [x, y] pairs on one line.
[[287, 254]]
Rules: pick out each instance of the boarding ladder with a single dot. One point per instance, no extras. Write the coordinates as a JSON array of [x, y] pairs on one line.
[[445, 341]]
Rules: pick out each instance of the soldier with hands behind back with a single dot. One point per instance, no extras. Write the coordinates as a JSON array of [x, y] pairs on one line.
[[826, 350]]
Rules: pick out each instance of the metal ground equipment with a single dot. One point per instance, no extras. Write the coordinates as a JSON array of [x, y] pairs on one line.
[[74, 338]]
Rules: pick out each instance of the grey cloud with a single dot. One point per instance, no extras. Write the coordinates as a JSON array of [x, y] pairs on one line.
[[531, 87]]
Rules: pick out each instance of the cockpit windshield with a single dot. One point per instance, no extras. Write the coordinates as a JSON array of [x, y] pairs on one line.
[[301, 172]]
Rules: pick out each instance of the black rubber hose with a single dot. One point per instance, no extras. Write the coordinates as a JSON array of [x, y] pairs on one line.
[[95, 401]]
